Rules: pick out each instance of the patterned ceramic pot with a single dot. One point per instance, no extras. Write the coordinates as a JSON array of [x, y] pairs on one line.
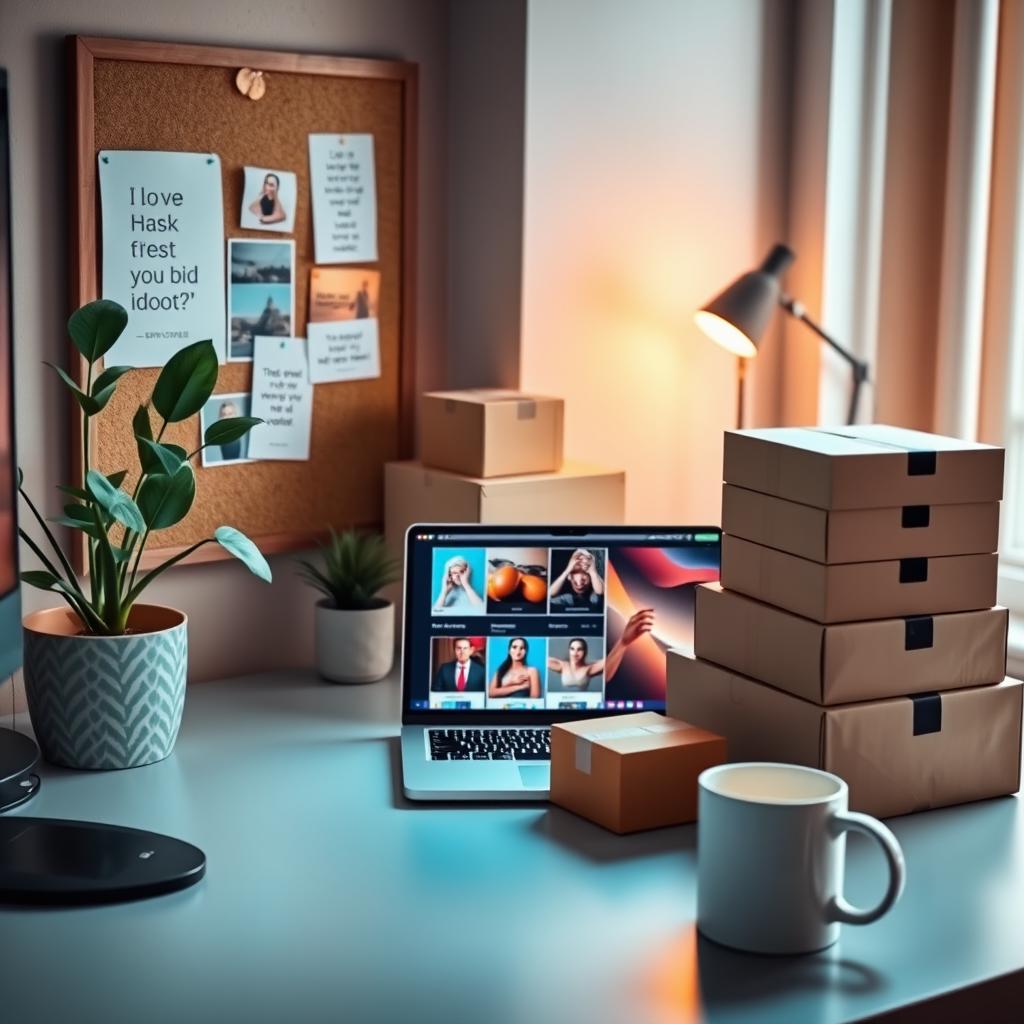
[[106, 701]]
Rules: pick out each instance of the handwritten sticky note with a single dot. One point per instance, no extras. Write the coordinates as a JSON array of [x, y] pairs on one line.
[[282, 396], [344, 350], [343, 191], [162, 235]]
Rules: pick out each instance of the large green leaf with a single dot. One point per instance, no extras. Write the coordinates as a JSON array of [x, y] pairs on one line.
[[39, 578], [229, 429], [75, 492], [160, 458], [96, 326], [114, 501], [236, 543], [116, 479], [111, 375], [165, 499], [186, 382], [76, 524]]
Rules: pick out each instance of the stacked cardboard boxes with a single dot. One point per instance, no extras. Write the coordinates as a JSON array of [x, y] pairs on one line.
[[854, 628], [495, 456]]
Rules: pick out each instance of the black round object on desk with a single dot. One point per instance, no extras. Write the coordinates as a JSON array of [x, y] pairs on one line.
[[18, 756], [55, 862]]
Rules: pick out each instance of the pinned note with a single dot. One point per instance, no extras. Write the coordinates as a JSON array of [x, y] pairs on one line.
[[282, 396]]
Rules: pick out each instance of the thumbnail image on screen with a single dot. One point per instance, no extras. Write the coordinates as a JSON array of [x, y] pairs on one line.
[[515, 672], [458, 581], [575, 677], [517, 581], [577, 580], [458, 680]]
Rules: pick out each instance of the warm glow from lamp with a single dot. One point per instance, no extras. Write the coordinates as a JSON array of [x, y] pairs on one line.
[[730, 337]]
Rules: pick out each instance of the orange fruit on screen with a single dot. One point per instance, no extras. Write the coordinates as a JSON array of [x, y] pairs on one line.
[[503, 583], [534, 589]]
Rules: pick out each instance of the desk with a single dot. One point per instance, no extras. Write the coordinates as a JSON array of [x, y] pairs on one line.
[[328, 897]]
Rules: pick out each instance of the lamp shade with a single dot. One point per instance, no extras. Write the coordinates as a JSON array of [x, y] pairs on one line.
[[736, 317]]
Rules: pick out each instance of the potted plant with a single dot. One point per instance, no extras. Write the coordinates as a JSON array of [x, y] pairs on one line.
[[105, 676], [355, 628]]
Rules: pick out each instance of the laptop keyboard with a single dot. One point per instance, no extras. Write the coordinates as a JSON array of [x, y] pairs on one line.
[[489, 744]]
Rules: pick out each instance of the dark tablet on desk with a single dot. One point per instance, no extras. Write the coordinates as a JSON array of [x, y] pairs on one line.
[[56, 862]]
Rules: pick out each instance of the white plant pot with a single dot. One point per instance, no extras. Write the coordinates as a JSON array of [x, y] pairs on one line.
[[354, 646]]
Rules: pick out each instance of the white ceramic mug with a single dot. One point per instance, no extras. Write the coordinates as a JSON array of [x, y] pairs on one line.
[[771, 847]]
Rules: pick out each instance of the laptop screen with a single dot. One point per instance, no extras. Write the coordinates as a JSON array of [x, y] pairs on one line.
[[541, 620]]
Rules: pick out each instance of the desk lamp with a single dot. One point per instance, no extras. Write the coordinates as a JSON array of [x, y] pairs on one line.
[[736, 319]]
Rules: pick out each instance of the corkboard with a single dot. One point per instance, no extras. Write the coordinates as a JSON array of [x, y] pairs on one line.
[[154, 96]]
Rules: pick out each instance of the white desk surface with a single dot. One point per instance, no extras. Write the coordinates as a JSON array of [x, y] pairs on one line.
[[329, 897]]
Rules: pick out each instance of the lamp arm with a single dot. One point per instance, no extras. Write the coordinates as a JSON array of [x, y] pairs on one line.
[[859, 366], [798, 310]]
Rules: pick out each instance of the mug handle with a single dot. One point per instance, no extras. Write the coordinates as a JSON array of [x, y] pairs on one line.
[[838, 908]]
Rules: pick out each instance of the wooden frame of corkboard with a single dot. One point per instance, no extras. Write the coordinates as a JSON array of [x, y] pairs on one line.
[[129, 94]]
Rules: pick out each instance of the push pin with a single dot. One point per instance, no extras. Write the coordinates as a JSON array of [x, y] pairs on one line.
[[251, 83]]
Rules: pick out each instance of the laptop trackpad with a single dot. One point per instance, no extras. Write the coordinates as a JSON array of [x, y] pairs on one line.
[[535, 776]]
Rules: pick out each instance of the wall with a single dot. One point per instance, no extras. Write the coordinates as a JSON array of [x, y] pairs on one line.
[[237, 623], [654, 175], [486, 91]]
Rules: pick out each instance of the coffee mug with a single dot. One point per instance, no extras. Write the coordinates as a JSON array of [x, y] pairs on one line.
[[771, 848]]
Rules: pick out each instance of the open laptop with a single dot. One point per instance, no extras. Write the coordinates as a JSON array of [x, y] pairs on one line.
[[509, 629]]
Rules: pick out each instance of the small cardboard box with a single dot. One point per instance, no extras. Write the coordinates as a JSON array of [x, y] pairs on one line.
[[852, 661], [578, 493], [489, 432], [860, 535], [859, 590], [898, 756], [869, 466], [631, 772]]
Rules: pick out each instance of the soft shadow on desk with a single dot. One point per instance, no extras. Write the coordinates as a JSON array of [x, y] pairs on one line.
[[729, 978], [597, 844]]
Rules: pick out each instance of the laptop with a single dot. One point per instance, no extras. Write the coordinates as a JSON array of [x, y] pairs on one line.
[[510, 629]]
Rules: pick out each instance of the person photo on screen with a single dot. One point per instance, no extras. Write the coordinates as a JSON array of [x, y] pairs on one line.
[[580, 587], [576, 671], [457, 593], [463, 675], [514, 677], [267, 205]]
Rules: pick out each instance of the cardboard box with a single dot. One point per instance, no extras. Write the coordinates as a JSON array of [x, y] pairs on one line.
[[860, 535], [631, 772], [852, 661], [898, 755], [489, 432], [859, 590], [578, 493], [870, 466]]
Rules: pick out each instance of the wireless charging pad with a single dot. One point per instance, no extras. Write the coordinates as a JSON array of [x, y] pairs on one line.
[[18, 756], [55, 862]]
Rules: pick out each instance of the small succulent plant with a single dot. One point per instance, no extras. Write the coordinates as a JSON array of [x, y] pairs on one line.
[[356, 567]]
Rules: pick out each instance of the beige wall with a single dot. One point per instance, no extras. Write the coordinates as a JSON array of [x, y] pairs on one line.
[[237, 623], [653, 177]]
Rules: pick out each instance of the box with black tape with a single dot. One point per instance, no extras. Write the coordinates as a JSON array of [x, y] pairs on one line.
[[850, 661], [865, 466], [487, 432], [855, 591], [898, 755], [863, 534]]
